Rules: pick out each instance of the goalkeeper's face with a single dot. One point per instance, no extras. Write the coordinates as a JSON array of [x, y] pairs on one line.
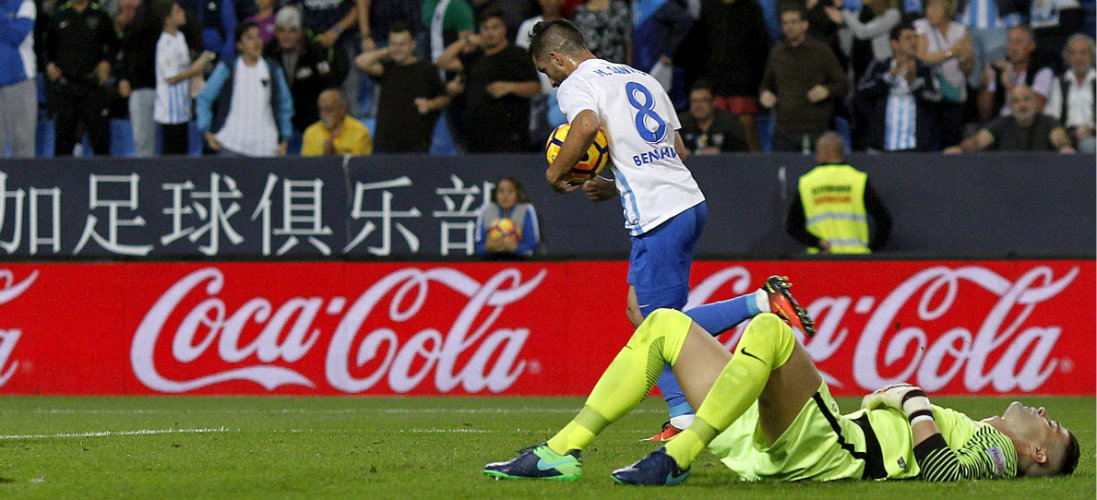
[[1042, 443]]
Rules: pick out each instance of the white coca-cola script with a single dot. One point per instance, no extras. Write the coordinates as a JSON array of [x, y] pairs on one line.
[[287, 334], [1020, 351], [9, 291]]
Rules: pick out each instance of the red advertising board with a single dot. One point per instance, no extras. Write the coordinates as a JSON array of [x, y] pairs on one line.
[[543, 328]]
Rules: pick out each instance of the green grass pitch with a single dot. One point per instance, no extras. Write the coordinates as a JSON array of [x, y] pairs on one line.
[[417, 448]]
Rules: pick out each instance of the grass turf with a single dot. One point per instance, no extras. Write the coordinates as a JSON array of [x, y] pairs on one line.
[[365, 447]]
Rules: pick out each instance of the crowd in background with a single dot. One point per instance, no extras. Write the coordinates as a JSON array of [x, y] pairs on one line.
[[312, 77]]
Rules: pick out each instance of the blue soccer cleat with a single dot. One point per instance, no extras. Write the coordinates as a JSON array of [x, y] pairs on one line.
[[656, 469], [538, 462]]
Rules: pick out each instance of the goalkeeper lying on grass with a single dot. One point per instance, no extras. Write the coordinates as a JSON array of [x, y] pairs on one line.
[[767, 413]]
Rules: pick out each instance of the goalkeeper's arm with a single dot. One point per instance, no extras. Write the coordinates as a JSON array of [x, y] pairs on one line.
[[937, 461]]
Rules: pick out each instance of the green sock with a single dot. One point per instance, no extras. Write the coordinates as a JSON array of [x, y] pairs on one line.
[[628, 379], [765, 346]]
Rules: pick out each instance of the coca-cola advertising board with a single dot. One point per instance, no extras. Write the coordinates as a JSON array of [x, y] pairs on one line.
[[532, 328]]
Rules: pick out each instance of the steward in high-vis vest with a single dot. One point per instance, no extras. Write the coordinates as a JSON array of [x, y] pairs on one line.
[[835, 202]]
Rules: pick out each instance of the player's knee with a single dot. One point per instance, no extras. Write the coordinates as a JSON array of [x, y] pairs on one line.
[[768, 329]]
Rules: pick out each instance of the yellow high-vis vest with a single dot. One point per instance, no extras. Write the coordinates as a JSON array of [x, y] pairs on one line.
[[834, 207]]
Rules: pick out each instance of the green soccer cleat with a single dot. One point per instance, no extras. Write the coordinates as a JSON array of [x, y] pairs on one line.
[[538, 462]]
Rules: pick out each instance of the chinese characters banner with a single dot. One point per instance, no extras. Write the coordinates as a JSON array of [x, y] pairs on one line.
[[547, 328]]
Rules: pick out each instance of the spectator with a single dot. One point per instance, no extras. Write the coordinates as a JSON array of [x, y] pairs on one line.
[[988, 23], [707, 129], [174, 71], [217, 18], [1072, 95], [413, 96], [18, 73], [1018, 69], [802, 79], [308, 66], [871, 26], [500, 79], [606, 26], [446, 23], [80, 43], [137, 72], [508, 201], [254, 105], [836, 204], [264, 18], [659, 28], [1025, 130], [127, 12], [901, 92], [824, 20], [327, 22], [945, 45], [376, 18], [538, 104], [733, 41], [335, 133]]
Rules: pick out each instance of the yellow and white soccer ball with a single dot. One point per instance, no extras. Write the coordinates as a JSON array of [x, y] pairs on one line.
[[504, 229], [589, 165]]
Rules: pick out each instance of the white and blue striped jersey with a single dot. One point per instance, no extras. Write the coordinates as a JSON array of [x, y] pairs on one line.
[[901, 117], [983, 14], [172, 104], [640, 123]]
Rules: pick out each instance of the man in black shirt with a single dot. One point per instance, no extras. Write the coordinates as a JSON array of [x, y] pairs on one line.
[[499, 80], [412, 96], [80, 42], [1024, 130], [707, 129]]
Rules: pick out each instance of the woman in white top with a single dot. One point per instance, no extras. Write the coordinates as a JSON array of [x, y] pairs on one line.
[[945, 44]]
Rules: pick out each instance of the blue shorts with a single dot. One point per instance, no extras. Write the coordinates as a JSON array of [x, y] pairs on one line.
[[660, 260]]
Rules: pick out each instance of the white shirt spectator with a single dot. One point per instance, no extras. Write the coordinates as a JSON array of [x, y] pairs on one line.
[[1080, 100], [950, 68], [172, 104], [249, 127]]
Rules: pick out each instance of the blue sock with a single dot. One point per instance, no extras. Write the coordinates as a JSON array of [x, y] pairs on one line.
[[720, 317], [672, 392]]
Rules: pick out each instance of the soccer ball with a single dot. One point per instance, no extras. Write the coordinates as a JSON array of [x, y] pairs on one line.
[[589, 165], [504, 228]]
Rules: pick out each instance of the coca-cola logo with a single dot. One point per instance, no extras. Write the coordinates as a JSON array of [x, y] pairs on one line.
[[898, 345], [9, 291], [288, 332]]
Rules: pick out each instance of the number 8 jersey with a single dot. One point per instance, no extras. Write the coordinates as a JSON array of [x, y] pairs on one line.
[[640, 122]]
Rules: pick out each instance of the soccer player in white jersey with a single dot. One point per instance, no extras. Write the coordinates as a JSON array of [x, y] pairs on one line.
[[664, 208]]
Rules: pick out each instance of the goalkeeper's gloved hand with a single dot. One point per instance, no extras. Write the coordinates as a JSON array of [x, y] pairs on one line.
[[907, 398]]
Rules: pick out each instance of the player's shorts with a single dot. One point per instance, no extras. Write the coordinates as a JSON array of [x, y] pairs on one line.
[[660, 260], [820, 445]]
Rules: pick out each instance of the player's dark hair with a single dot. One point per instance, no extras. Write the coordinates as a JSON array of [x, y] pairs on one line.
[[489, 13], [796, 7], [1070, 456], [558, 35], [898, 30], [401, 27], [519, 190], [243, 28]]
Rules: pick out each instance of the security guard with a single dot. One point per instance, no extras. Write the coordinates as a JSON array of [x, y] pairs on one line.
[[835, 202]]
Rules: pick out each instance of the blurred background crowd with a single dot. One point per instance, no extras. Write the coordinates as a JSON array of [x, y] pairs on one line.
[[311, 77]]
